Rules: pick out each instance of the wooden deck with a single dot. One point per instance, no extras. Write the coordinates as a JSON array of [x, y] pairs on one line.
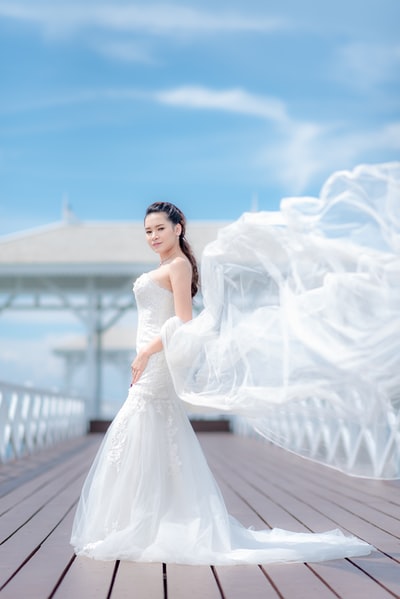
[[262, 485]]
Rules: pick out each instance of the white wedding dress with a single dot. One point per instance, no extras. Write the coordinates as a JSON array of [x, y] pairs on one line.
[[150, 495]]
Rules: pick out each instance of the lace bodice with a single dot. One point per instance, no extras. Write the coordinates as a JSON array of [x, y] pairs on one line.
[[155, 305]]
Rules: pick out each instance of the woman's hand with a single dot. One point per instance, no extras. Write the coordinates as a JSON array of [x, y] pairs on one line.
[[138, 365]]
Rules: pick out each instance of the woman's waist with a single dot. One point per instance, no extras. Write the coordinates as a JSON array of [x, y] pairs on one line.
[[156, 377], [146, 336], [157, 365]]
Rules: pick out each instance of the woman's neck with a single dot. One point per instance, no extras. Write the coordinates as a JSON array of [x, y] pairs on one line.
[[168, 258]]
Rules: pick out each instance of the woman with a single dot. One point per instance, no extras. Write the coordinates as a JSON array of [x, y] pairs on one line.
[[150, 495]]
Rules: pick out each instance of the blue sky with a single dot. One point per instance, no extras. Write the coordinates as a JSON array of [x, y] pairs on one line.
[[114, 105]]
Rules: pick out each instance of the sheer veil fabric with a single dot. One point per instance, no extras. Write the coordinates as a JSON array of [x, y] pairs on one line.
[[305, 306], [302, 317]]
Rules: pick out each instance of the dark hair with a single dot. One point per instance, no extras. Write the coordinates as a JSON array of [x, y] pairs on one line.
[[177, 217]]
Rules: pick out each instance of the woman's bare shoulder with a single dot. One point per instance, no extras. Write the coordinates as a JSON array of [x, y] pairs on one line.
[[180, 265]]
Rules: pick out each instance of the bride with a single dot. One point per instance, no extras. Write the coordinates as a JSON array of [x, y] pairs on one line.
[[149, 495]]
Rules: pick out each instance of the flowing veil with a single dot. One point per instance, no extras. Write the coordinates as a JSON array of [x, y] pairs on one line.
[[300, 332]]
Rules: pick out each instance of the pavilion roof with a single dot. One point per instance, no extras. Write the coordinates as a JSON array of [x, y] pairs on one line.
[[80, 242]]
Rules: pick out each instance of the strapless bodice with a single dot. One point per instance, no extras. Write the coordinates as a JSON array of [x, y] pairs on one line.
[[155, 305]]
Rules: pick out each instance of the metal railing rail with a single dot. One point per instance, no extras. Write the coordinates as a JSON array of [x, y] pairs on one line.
[[369, 448], [31, 419]]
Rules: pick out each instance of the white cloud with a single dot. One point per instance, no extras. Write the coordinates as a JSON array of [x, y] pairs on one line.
[[367, 65], [236, 101], [293, 160], [96, 22], [159, 19], [231, 100], [311, 152]]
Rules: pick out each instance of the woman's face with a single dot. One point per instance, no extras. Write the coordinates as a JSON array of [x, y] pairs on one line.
[[161, 234]]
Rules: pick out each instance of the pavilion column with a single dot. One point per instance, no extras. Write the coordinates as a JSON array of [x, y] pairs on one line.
[[93, 357], [69, 371], [99, 356]]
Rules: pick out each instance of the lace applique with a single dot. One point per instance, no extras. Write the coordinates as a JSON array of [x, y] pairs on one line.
[[175, 463], [139, 404], [113, 527], [118, 438]]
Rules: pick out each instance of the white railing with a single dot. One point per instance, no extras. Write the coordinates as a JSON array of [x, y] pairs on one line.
[[313, 429], [31, 419]]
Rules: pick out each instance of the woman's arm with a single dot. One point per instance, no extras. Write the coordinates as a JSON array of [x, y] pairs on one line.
[[180, 277]]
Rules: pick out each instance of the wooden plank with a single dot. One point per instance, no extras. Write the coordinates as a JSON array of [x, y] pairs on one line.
[[30, 467], [30, 506], [388, 523], [334, 479], [238, 507], [23, 486], [138, 581], [385, 494], [42, 572], [86, 578], [298, 581], [384, 570], [247, 581], [196, 582], [28, 489], [351, 501], [350, 582], [26, 541], [33, 493]]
